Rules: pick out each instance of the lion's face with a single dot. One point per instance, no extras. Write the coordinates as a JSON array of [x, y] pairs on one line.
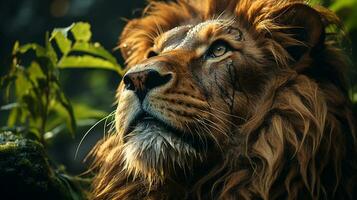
[[179, 104], [228, 99]]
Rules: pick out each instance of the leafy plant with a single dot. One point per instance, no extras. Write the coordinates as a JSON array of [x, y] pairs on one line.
[[346, 9], [38, 106]]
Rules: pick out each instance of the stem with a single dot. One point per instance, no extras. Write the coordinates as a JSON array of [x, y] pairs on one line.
[[45, 110]]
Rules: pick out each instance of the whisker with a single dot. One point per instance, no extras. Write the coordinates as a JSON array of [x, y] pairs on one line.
[[110, 124], [90, 129], [204, 125], [224, 121], [228, 114], [202, 139], [214, 125]]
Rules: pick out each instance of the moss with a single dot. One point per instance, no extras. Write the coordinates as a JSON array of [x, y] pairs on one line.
[[25, 172], [8, 147]]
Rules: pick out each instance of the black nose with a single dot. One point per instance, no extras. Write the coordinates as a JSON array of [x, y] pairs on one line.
[[143, 81]]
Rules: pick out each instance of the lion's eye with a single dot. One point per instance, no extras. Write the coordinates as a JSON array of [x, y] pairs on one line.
[[151, 54], [218, 49]]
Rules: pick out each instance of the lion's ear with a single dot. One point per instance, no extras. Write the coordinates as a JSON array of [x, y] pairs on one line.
[[305, 25]]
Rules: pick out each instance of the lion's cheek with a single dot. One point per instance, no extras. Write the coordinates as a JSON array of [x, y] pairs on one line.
[[128, 107]]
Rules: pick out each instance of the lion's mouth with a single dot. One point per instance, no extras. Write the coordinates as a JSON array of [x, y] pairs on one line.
[[158, 126], [153, 148]]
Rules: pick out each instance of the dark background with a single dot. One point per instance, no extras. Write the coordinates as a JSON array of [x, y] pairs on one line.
[[28, 20]]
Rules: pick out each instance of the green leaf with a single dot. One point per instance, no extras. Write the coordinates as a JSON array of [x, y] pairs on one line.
[[36, 132], [15, 48], [347, 10], [6, 83], [66, 105], [95, 49], [22, 85], [50, 53], [64, 31], [340, 4], [87, 61], [35, 72], [32, 105], [84, 116], [314, 2], [351, 22], [81, 31], [64, 44], [82, 111], [12, 119], [39, 50]]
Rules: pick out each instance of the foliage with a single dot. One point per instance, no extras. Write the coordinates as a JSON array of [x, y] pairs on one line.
[[38, 106], [346, 9], [40, 110]]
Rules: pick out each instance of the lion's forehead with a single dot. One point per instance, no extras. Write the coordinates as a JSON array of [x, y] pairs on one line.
[[170, 39], [186, 36]]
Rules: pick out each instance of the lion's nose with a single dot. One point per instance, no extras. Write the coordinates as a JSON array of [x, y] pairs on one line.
[[143, 81]]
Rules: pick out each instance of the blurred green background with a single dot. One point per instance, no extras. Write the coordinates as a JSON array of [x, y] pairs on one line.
[[28, 20]]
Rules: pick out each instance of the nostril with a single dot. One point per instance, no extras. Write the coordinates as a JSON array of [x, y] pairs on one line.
[[129, 85], [142, 82], [155, 79], [166, 78]]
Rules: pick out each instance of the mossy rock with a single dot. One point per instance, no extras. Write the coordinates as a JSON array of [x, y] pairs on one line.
[[25, 172]]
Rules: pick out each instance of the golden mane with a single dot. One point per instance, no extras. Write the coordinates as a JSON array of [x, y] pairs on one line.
[[298, 143]]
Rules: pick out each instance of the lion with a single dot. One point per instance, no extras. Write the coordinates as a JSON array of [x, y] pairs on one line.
[[230, 99]]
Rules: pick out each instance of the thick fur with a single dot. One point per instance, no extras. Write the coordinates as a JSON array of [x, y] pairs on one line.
[[291, 135]]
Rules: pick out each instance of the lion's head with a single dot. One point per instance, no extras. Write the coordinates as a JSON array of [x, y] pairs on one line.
[[230, 99]]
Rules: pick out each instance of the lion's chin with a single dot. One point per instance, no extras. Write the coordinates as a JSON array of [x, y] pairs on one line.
[[154, 152]]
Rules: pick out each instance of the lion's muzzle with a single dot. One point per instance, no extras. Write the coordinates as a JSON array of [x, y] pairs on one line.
[[143, 81]]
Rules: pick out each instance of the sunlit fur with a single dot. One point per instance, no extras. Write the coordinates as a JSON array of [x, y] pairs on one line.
[[288, 133]]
